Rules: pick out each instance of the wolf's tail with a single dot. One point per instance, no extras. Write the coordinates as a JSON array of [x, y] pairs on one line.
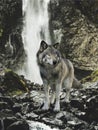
[[77, 84]]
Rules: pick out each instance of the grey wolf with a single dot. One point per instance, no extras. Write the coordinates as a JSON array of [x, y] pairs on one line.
[[56, 73]]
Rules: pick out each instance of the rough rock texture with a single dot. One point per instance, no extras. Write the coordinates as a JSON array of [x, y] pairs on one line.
[[74, 24], [80, 114], [10, 32]]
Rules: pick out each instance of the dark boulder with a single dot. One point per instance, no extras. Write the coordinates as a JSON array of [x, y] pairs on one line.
[[13, 81], [19, 125], [7, 121]]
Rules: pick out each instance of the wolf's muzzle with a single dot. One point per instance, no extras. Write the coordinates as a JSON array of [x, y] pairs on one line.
[[54, 62]]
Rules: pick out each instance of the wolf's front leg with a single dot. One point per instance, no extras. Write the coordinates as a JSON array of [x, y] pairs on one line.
[[57, 104], [46, 100], [52, 99]]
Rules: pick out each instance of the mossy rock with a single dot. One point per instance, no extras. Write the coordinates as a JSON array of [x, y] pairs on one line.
[[91, 78], [14, 82]]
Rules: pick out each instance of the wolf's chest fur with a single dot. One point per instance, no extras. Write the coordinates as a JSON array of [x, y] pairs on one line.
[[54, 74], [49, 74]]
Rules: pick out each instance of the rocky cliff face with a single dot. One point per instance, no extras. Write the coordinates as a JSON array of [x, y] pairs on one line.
[[74, 25], [16, 107], [11, 46]]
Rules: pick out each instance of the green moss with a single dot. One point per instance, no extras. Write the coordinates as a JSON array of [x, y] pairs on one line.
[[91, 78], [13, 81], [15, 92]]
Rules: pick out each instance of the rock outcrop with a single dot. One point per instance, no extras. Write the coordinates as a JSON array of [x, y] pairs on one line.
[[80, 114], [11, 46], [74, 25]]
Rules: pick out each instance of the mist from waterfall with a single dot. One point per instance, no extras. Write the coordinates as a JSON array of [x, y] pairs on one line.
[[36, 28]]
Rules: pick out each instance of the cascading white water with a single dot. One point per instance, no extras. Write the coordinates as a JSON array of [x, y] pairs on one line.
[[36, 28]]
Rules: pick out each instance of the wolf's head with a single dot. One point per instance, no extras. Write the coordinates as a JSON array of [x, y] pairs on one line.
[[48, 55]]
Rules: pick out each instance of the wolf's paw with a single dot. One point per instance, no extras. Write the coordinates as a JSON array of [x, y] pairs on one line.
[[57, 107], [45, 107], [52, 100]]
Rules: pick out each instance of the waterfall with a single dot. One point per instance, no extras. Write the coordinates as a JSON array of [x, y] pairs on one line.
[[36, 28]]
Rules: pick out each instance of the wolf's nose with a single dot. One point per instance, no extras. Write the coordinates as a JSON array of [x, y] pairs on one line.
[[54, 62]]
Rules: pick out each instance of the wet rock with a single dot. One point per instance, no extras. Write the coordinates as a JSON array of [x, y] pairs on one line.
[[7, 99], [77, 103], [25, 108], [13, 81], [62, 116], [92, 109], [3, 105], [92, 102], [53, 122], [6, 113], [32, 116], [8, 121], [19, 125], [17, 108], [80, 114]]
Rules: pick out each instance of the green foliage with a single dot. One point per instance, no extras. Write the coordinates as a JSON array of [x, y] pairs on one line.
[[15, 92]]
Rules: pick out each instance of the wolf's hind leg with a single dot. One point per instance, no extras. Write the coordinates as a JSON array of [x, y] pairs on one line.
[[68, 85], [67, 98], [46, 100]]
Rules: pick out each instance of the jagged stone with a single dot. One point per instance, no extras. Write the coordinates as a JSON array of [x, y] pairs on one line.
[[17, 107], [3, 105], [79, 37], [11, 27], [77, 103], [8, 121], [19, 125], [54, 122], [32, 116], [13, 81], [7, 99], [75, 115]]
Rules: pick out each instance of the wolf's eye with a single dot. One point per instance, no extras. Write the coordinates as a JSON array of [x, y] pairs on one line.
[[57, 55], [47, 56]]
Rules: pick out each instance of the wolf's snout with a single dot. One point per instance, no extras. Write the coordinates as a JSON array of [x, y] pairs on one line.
[[54, 62]]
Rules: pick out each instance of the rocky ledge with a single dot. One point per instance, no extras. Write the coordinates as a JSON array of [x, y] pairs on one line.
[[17, 109]]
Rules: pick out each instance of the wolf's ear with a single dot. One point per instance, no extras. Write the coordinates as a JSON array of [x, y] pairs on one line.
[[43, 45], [56, 45]]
